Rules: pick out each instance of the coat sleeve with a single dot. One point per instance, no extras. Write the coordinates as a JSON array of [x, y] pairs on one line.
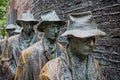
[[43, 77], [45, 73], [8, 62], [30, 63], [51, 70], [20, 70]]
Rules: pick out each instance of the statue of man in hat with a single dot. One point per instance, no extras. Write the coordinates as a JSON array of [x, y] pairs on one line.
[[10, 29], [34, 58], [77, 62], [17, 30], [2, 44], [18, 43]]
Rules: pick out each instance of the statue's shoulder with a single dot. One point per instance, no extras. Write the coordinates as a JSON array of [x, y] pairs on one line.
[[2, 42], [32, 51], [60, 46], [35, 47], [50, 70], [51, 65], [55, 69], [13, 38]]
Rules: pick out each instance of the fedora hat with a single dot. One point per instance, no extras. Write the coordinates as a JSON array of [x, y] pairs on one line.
[[27, 17], [11, 27], [18, 30], [49, 17], [82, 25]]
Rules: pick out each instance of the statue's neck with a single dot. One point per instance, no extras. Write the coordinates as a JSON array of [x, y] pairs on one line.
[[82, 69], [49, 41], [50, 44], [27, 36], [77, 54], [79, 65]]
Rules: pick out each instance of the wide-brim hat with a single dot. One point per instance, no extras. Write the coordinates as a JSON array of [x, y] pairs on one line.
[[18, 30], [82, 25], [49, 17], [27, 17], [84, 34], [11, 27]]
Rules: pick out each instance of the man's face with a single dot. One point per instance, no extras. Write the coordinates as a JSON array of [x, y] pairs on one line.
[[10, 32], [51, 32], [82, 46], [27, 27]]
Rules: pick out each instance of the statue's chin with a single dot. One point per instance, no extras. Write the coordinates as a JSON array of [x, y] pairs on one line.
[[86, 53], [52, 38]]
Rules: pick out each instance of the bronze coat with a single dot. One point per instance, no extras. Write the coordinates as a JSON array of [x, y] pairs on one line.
[[61, 69], [11, 53], [32, 60], [2, 44]]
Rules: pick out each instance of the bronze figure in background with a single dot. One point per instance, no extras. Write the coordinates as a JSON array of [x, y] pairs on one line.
[[10, 30], [17, 30], [35, 57], [17, 43]]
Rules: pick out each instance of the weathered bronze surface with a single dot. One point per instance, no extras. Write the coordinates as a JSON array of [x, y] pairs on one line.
[[36, 56], [17, 30], [17, 43], [2, 45], [77, 62], [10, 30]]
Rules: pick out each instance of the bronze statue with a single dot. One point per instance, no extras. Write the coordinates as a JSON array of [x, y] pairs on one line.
[[2, 43], [34, 58], [18, 43], [77, 62], [17, 30], [10, 30]]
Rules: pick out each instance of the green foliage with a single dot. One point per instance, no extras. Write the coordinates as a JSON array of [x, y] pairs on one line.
[[3, 4]]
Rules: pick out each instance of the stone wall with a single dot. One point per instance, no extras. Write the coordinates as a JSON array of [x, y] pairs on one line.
[[15, 8], [107, 15], [22, 5]]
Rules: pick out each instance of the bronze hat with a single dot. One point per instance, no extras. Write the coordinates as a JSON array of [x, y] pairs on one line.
[[27, 17], [82, 25], [49, 17], [11, 27], [18, 29]]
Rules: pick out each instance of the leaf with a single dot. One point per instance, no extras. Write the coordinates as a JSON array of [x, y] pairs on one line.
[[3, 4]]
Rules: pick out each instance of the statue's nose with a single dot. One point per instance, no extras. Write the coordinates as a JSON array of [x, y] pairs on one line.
[[56, 30], [29, 26]]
